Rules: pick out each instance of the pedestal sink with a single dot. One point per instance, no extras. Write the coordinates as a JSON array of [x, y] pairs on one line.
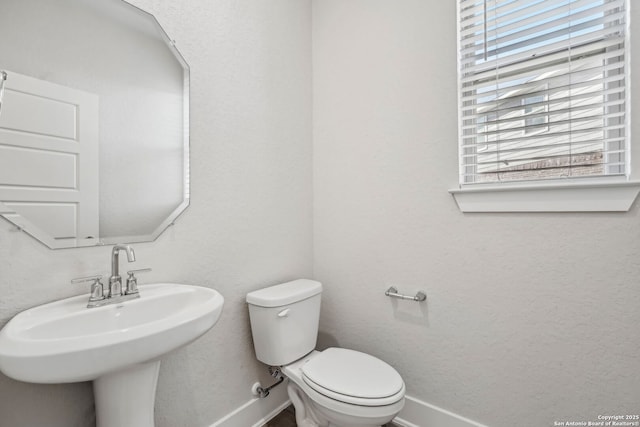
[[118, 346]]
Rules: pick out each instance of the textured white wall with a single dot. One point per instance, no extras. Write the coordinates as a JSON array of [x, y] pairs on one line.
[[249, 224], [531, 318]]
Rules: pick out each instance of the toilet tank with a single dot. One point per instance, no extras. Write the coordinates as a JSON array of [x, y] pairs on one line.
[[284, 320]]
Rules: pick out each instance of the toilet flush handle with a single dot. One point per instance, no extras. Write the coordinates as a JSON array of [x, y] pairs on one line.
[[284, 313]]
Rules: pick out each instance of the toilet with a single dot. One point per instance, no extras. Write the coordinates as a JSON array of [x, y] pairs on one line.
[[336, 387]]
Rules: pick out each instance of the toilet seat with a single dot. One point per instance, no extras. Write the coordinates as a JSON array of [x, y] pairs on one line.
[[353, 377]]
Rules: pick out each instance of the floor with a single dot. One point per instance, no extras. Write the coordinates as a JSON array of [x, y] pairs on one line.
[[287, 418]]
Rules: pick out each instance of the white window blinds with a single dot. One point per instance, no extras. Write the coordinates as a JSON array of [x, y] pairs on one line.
[[542, 89]]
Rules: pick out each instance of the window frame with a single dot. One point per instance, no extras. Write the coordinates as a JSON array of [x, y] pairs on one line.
[[614, 193]]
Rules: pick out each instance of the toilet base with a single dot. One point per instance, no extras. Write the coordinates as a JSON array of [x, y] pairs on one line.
[[305, 415]]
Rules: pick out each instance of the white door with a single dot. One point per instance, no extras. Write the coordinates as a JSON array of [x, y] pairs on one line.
[[49, 161]]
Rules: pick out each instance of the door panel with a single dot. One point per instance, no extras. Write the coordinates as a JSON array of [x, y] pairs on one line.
[[49, 159]]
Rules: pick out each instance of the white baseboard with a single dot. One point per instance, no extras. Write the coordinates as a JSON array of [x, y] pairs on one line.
[[417, 413], [256, 412]]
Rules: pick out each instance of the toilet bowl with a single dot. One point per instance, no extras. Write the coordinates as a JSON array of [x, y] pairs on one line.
[[340, 387], [336, 387]]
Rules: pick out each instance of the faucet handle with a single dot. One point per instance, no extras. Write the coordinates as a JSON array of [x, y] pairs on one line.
[[97, 288], [132, 281], [87, 279]]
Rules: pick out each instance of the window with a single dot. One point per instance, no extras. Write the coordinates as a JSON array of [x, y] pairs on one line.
[[534, 111], [542, 90]]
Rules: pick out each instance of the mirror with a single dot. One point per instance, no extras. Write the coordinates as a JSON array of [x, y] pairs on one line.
[[94, 122]]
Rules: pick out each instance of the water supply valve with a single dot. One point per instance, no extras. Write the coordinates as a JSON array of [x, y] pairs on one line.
[[262, 392]]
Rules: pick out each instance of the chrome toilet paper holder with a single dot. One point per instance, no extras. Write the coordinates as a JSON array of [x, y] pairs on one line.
[[393, 293]]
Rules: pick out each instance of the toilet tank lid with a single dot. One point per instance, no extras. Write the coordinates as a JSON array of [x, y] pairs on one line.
[[285, 293]]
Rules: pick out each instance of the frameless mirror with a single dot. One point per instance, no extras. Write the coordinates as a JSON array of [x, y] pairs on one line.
[[94, 122]]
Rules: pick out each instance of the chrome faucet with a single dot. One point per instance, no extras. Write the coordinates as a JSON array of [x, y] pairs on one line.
[[115, 281], [99, 295]]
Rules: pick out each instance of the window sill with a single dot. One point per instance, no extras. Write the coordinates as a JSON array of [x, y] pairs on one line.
[[601, 197]]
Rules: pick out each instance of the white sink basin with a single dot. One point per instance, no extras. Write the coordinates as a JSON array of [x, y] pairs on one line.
[[64, 341], [119, 345]]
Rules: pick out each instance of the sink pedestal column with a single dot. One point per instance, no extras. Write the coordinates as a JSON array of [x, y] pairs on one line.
[[126, 398]]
